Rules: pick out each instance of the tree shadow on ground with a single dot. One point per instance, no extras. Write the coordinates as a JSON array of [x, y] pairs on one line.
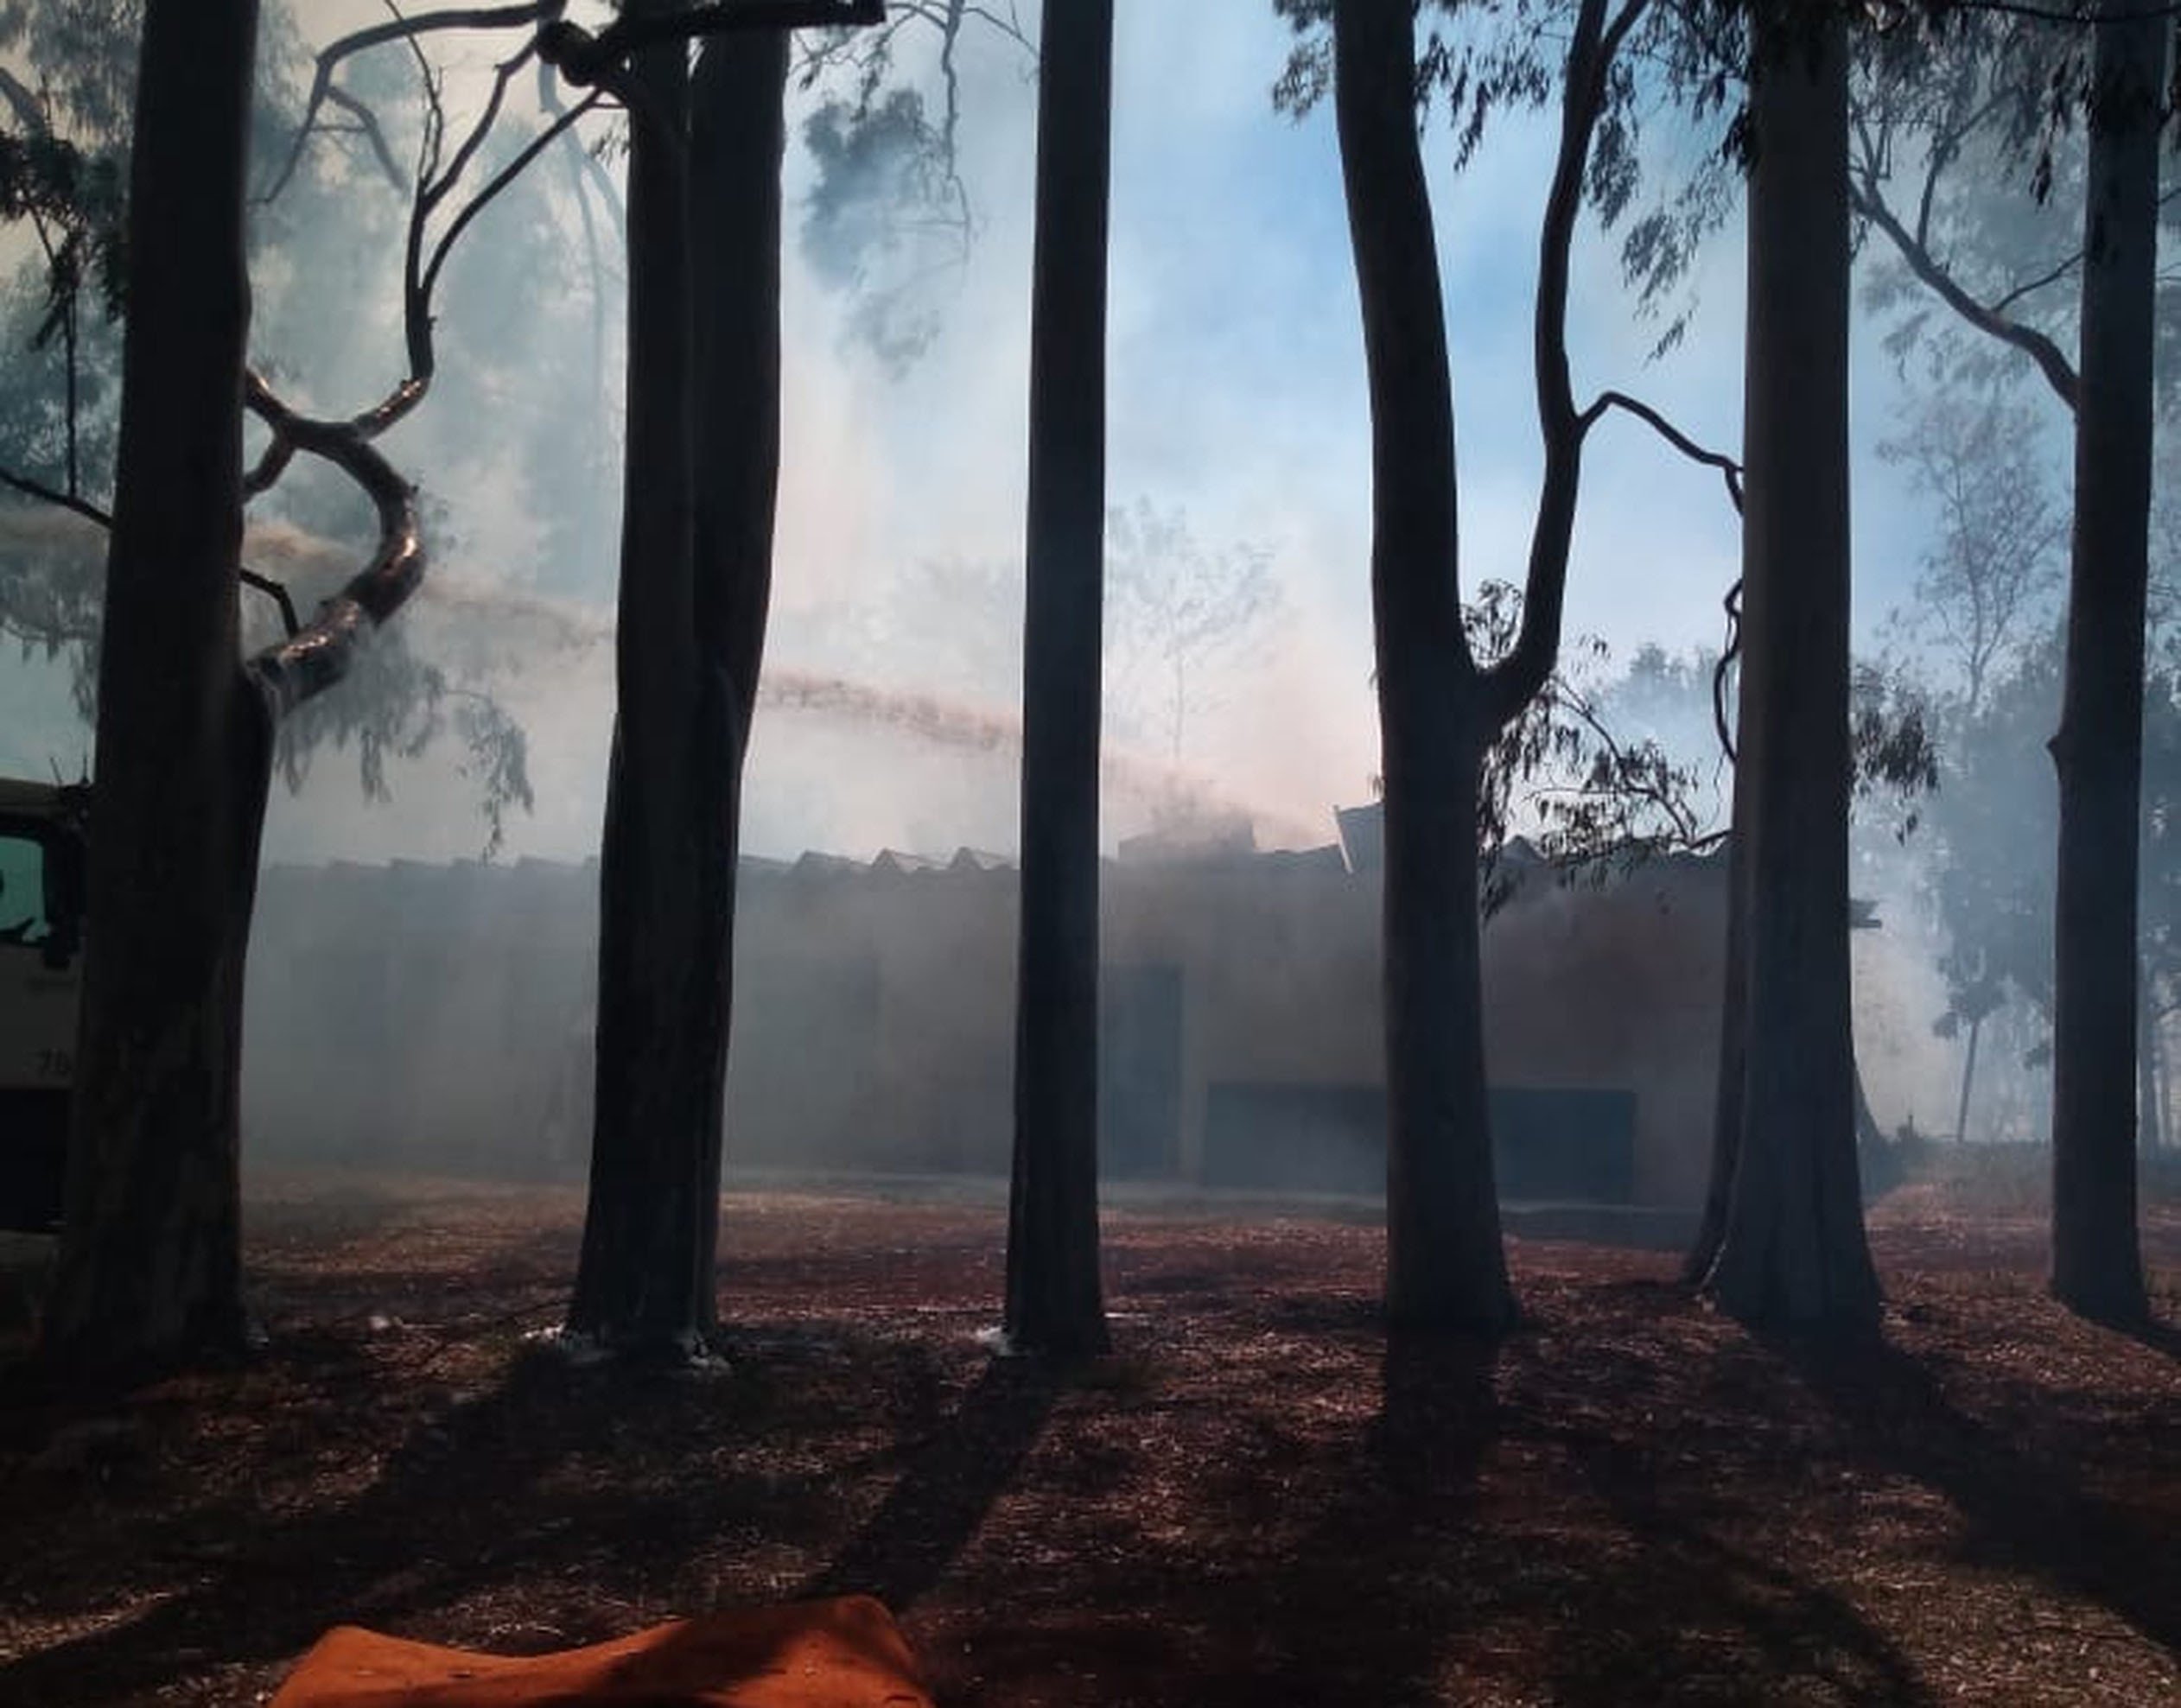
[[1446, 1583], [1379, 1542], [1657, 1615], [2156, 1335], [2023, 1514], [494, 1490], [957, 1468]]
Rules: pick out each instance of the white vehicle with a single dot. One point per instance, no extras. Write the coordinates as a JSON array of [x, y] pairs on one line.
[[41, 888]]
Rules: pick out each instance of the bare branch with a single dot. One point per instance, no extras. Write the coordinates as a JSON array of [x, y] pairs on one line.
[[2059, 373], [1728, 655], [92, 513], [1731, 470], [500, 181], [367, 124], [31, 488], [2058, 271], [276, 592], [398, 29], [1517, 678]]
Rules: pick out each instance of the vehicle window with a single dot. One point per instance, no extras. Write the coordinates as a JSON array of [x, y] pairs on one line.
[[23, 891]]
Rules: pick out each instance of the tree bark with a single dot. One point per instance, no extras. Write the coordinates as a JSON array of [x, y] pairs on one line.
[[150, 1268], [1793, 1249], [1969, 1084], [645, 1279], [1445, 1264], [738, 139], [2146, 1065], [2097, 1268], [1054, 1299]]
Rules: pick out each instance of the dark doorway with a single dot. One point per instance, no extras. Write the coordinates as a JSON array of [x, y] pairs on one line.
[[1139, 1071]]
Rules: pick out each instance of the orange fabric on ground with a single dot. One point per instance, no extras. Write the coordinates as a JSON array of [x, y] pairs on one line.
[[842, 1653]]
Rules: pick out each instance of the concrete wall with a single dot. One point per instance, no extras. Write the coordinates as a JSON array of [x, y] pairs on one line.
[[420, 1015]]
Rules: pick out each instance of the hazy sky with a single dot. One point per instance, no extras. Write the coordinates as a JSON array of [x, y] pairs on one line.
[[1237, 395]]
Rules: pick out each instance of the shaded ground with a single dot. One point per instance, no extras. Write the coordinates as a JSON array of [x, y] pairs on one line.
[[1632, 1501]]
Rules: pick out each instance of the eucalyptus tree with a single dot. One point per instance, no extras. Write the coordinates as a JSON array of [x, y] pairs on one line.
[[2113, 72], [149, 1267], [702, 474], [1440, 711], [2097, 1265], [1054, 1299], [1789, 1245], [64, 143]]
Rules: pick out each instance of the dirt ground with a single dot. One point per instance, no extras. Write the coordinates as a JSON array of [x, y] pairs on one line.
[[1633, 1500]]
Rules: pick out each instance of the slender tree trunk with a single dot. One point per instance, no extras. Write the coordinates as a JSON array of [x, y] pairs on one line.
[[2164, 1079], [2146, 1062], [1969, 1082], [150, 1268], [1445, 1264], [2097, 1268], [1054, 1300], [1733, 1045], [645, 1279], [1793, 1249]]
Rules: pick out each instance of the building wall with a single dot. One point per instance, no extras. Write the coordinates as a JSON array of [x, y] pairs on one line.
[[414, 1014]]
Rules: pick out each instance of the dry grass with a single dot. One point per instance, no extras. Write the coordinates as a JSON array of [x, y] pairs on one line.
[[1254, 1501]]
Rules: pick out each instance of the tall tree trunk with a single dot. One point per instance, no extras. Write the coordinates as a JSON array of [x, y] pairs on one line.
[[2097, 1268], [2096, 1261], [150, 1266], [738, 137], [1444, 1266], [645, 1279], [1793, 1248], [1055, 1303]]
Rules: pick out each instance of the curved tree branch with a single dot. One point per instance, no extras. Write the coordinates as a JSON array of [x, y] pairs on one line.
[[368, 125], [1869, 203], [500, 181], [1728, 468], [314, 657], [531, 12], [1517, 679]]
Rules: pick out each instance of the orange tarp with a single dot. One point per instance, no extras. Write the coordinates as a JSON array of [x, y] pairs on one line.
[[842, 1654]]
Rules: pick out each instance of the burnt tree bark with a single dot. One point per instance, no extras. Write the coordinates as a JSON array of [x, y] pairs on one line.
[[2097, 1267], [1439, 711], [1055, 1302], [1791, 1247]]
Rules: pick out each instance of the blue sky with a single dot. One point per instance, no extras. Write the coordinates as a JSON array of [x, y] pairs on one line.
[[1236, 394]]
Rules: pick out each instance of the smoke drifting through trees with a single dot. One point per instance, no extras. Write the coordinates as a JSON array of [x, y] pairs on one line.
[[1167, 792]]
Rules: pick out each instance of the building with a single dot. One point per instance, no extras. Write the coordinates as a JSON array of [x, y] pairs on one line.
[[437, 1016]]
